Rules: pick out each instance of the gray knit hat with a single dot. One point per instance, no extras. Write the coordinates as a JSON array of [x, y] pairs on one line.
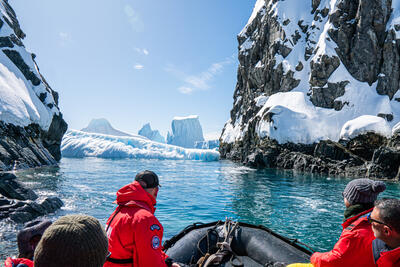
[[364, 190], [72, 241]]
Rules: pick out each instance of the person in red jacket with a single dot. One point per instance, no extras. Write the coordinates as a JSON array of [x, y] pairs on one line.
[[28, 238], [354, 247], [134, 233], [385, 221], [20, 262]]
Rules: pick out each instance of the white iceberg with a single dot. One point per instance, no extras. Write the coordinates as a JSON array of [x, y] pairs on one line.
[[102, 126], [185, 131], [81, 144], [153, 135]]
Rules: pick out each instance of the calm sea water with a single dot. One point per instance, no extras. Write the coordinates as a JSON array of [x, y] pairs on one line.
[[309, 208]]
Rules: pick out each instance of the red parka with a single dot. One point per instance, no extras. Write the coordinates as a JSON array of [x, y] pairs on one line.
[[134, 233], [19, 262], [389, 258], [354, 247]]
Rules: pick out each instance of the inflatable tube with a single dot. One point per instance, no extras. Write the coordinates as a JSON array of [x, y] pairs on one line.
[[251, 245]]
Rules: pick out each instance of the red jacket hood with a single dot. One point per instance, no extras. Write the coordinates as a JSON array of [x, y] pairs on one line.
[[134, 195]]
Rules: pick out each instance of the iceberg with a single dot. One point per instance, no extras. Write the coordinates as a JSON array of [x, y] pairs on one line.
[[208, 144], [185, 131], [102, 126], [153, 135], [78, 144]]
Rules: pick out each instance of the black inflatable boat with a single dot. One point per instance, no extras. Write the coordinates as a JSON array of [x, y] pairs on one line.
[[234, 244]]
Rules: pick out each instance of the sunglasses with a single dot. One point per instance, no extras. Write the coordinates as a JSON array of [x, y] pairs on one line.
[[370, 220]]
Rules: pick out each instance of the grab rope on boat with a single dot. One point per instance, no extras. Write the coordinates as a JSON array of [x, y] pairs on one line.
[[224, 248]]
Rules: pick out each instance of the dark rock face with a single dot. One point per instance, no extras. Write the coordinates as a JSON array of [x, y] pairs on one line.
[[28, 146], [341, 45], [22, 148], [365, 145], [385, 163], [18, 203], [360, 30]]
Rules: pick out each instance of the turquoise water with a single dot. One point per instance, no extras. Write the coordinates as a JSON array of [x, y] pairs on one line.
[[305, 207]]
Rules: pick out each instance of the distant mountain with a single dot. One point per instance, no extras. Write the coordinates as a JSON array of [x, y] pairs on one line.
[[185, 131], [153, 135], [102, 126]]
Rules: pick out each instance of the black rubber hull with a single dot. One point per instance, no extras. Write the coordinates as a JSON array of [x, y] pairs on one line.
[[254, 245]]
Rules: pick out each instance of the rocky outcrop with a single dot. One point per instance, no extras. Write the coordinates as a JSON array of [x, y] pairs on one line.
[[316, 65], [19, 203], [32, 139], [330, 158], [31, 124]]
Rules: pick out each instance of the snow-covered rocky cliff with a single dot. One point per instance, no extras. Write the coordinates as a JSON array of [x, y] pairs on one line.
[[309, 70], [103, 126], [31, 124], [153, 135], [185, 131]]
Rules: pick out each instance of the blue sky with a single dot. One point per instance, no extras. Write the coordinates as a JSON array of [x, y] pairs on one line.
[[134, 62]]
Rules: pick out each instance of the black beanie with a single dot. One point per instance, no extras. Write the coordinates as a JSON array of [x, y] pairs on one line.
[[72, 241], [149, 177], [364, 190]]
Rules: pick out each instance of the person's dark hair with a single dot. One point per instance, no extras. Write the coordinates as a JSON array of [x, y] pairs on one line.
[[389, 212]]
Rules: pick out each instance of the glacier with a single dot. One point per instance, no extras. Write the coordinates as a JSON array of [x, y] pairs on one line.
[[185, 131], [103, 126], [78, 144], [153, 135]]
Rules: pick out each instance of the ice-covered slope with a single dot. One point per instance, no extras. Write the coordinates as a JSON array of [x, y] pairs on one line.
[[102, 126], [185, 131], [82, 144], [153, 135], [306, 68], [30, 120]]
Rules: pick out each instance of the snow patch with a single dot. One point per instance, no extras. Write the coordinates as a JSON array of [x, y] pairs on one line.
[[396, 129], [261, 100], [365, 124]]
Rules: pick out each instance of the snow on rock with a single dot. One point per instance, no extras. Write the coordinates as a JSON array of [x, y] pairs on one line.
[[295, 82], [23, 102], [185, 131], [153, 135], [396, 129], [365, 124], [31, 123], [102, 126], [81, 144]]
